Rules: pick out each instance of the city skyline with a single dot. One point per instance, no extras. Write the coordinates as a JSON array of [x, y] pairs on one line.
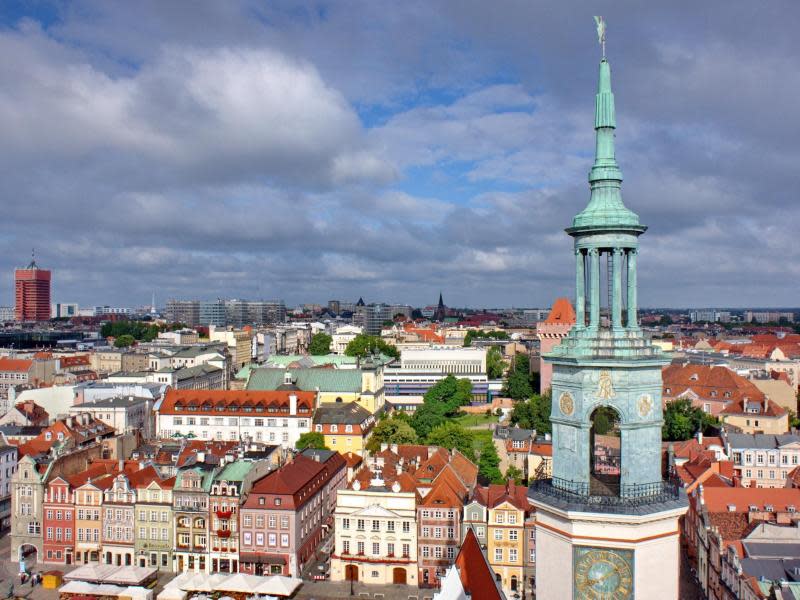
[[436, 149]]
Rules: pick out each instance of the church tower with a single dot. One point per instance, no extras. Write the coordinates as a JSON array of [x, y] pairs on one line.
[[607, 522]]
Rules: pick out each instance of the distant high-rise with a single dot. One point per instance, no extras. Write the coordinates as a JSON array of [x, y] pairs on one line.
[[32, 293]]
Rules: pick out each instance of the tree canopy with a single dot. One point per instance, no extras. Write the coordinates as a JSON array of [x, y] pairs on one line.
[[124, 341], [682, 420], [441, 401], [489, 464], [392, 430], [452, 435], [495, 366], [519, 382], [320, 344], [479, 334], [533, 413], [311, 439], [143, 331], [364, 344]]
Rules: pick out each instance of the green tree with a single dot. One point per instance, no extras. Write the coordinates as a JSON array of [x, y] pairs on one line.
[[489, 464], [534, 413], [518, 382], [364, 344], [311, 439], [682, 420], [479, 334], [124, 341], [452, 435], [392, 430], [441, 402], [494, 363], [320, 344], [605, 419], [515, 474]]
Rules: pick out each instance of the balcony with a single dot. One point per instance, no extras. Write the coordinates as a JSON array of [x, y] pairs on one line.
[[632, 499], [224, 533], [224, 514]]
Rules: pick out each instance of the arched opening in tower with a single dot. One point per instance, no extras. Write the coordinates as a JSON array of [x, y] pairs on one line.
[[605, 456]]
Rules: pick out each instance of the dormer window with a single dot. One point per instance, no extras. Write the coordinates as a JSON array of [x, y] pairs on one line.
[[694, 377], [48, 435]]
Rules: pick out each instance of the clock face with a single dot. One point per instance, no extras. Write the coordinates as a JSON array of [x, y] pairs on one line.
[[603, 573]]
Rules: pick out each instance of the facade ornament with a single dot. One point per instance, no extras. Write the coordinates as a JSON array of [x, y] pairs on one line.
[[605, 389]]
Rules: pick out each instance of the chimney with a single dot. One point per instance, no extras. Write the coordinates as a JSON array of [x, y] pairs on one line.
[[700, 437], [292, 404], [201, 457], [394, 448], [737, 480], [121, 465]]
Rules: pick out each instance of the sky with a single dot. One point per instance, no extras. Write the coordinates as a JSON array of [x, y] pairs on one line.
[[330, 150]]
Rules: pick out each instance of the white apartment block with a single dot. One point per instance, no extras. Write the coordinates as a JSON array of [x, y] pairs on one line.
[[375, 535], [272, 417]]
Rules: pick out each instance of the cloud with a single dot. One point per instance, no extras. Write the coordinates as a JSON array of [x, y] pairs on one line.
[[358, 148]]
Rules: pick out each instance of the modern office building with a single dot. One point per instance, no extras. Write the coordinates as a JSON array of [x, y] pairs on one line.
[[32, 293]]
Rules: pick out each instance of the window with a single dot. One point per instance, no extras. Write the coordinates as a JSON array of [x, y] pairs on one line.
[[360, 524], [437, 533], [426, 551], [345, 523], [426, 532], [498, 554], [437, 552], [512, 555], [406, 527], [390, 526], [284, 522], [498, 534], [480, 531], [512, 518], [406, 550], [512, 535], [272, 521], [272, 539], [451, 552], [345, 546], [390, 549], [376, 548], [260, 538], [376, 525], [34, 527], [451, 533], [360, 547], [248, 520], [284, 539], [499, 517], [334, 428], [247, 537]]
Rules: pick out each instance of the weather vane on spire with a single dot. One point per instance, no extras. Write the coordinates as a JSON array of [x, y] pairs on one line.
[[601, 33]]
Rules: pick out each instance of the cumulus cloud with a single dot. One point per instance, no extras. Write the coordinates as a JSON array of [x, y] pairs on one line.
[[356, 148]]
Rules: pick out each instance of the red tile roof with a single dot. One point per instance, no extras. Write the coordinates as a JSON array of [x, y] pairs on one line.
[[234, 402], [715, 383], [741, 498], [561, 313], [476, 575], [765, 408], [16, 365], [497, 493], [298, 479]]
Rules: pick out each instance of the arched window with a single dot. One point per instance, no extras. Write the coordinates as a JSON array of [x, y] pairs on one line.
[[605, 457]]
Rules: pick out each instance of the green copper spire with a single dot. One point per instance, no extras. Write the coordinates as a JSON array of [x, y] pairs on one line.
[[605, 207]]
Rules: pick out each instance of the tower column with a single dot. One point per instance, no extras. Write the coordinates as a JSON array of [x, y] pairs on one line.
[[616, 289], [632, 318], [580, 290], [594, 288]]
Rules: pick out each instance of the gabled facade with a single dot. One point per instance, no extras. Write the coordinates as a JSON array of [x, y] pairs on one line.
[[118, 522], [438, 530], [59, 523], [89, 519], [27, 496], [154, 525], [375, 535], [190, 508]]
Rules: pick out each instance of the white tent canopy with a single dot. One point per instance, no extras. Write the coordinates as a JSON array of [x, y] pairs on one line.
[[273, 585], [125, 575]]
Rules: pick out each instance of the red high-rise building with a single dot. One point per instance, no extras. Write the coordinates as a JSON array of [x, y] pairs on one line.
[[32, 286]]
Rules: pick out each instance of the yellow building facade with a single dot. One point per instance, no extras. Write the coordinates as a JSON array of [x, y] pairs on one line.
[[506, 542]]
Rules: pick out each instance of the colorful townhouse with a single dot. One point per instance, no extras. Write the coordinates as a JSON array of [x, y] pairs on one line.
[[508, 548], [439, 528], [287, 512], [190, 509], [155, 527], [119, 500], [59, 522], [228, 489], [346, 427]]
